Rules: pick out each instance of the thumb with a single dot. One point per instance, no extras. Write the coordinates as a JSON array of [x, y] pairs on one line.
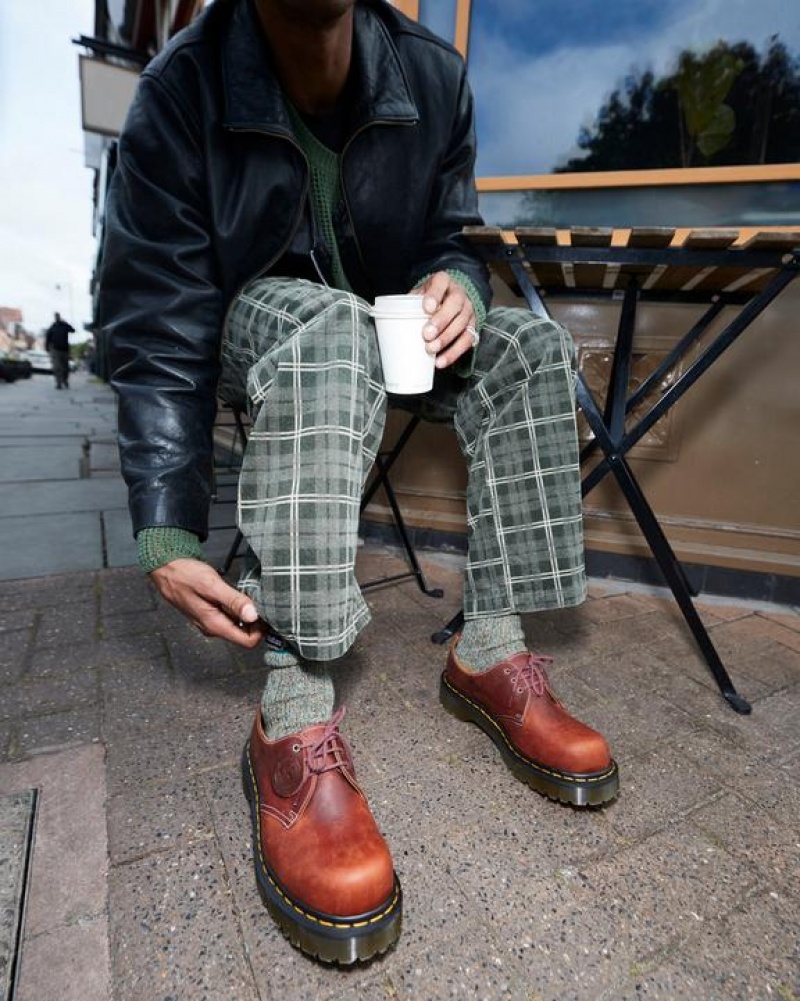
[[248, 611], [243, 609], [237, 605]]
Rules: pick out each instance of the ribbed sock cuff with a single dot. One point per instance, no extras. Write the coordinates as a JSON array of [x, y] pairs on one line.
[[486, 641], [296, 695]]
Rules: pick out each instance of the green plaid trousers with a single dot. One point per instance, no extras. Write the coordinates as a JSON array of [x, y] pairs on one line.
[[303, 359]]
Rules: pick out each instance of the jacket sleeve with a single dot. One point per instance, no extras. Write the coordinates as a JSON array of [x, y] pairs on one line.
[[162, 311], [453, 204]]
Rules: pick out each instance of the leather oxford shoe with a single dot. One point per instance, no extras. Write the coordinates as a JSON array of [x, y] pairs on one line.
[[541, 743], [322, 867]]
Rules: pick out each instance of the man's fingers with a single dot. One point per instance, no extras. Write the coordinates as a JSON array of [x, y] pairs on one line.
[[230, 614], [215, 622], [239, 607], [236, 605], [215, 608], [434, 291]]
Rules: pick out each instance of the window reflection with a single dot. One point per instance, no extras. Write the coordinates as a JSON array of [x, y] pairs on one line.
[[689, 205], [577, 85], [440, 17]]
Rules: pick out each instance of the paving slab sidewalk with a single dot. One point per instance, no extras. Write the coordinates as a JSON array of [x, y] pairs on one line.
[[684, 888], [131, 726]]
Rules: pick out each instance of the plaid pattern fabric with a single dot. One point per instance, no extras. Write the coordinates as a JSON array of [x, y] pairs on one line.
[[516, 427], [305, 359]]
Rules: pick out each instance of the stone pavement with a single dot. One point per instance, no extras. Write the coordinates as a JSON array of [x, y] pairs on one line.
[[131, 726]]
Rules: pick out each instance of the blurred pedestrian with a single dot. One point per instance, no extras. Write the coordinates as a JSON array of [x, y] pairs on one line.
[[57, 343]]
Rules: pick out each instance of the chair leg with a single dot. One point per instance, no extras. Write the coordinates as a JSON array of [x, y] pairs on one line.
[[383, 463], [454, 626], [232, 554]]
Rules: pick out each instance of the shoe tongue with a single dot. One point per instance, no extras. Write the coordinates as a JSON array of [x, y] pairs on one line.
[[313, 732], [516, 660]]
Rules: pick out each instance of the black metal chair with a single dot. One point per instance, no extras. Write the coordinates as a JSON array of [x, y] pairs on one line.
[[384, 461]]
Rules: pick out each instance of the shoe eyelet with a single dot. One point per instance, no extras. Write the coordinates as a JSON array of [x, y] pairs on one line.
[[296, 748], [506, 670]]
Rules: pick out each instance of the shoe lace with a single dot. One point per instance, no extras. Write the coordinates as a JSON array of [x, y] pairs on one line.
[[531, 675], [330, 750]]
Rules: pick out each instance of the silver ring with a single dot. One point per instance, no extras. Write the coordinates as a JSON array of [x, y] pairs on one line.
[[473, 333]]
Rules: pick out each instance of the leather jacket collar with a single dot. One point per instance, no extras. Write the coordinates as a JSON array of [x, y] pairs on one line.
[[253, 97]]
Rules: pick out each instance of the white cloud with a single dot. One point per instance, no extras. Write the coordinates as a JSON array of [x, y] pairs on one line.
[[529, 110], [46, 208]]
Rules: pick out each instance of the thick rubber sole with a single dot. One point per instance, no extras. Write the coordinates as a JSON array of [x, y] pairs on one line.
[[328, 938], [593, 789]]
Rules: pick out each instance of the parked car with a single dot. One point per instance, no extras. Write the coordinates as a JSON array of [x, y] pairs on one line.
[[40, 361], [12, 367]]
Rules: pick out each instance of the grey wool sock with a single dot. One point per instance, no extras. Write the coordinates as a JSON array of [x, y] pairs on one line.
[[297, 693], [486, 641]]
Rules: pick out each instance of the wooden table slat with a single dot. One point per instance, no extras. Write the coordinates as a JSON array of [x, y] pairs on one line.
[[710, 239], [545, 274], [591, 275], [536, 236], [485, 235], [591, 236], [676, 277], [494, 237], [654, 237], [772, 242], [733, 276]]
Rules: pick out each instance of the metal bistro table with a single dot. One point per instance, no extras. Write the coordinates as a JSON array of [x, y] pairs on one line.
[[706, 267]]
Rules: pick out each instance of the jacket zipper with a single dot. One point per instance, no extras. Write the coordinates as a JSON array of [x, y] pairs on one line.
[[298, 218], [317, 268], [362, 128], [304, 196]]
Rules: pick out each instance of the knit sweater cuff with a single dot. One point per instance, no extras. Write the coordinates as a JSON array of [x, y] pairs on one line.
[[465, 365], [155, 547], [471, 289]]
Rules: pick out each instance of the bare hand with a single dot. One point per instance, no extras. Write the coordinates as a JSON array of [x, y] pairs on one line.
[[450, 329], [215, 608]]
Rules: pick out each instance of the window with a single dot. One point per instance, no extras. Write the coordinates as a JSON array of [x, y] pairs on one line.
[[633, 112]]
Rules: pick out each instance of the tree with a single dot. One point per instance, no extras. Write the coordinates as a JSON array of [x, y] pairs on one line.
[[727, 105]]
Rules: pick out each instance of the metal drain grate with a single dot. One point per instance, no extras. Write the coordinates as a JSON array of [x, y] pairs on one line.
[[17, 825]]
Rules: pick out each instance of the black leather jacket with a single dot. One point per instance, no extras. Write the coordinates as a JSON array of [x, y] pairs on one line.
[[211, 190]]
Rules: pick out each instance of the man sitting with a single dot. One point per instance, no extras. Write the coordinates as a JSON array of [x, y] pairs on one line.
[[284, 162]]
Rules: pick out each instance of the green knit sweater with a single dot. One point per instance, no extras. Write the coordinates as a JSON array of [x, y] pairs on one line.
[[160, 545]]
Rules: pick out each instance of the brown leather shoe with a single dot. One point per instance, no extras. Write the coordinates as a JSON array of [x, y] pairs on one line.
[[541, 743], [323, 869]]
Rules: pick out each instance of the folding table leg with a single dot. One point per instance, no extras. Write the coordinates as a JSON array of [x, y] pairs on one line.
[[660, 548], [676, 580]]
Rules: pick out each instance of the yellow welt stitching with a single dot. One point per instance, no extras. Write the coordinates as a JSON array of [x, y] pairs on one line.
[[527, 761], [279, 891]]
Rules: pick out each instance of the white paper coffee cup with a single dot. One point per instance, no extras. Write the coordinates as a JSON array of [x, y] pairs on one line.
[[407, 366]]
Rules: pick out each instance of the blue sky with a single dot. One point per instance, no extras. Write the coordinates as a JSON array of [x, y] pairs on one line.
[[46, 206], [541, 26]]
